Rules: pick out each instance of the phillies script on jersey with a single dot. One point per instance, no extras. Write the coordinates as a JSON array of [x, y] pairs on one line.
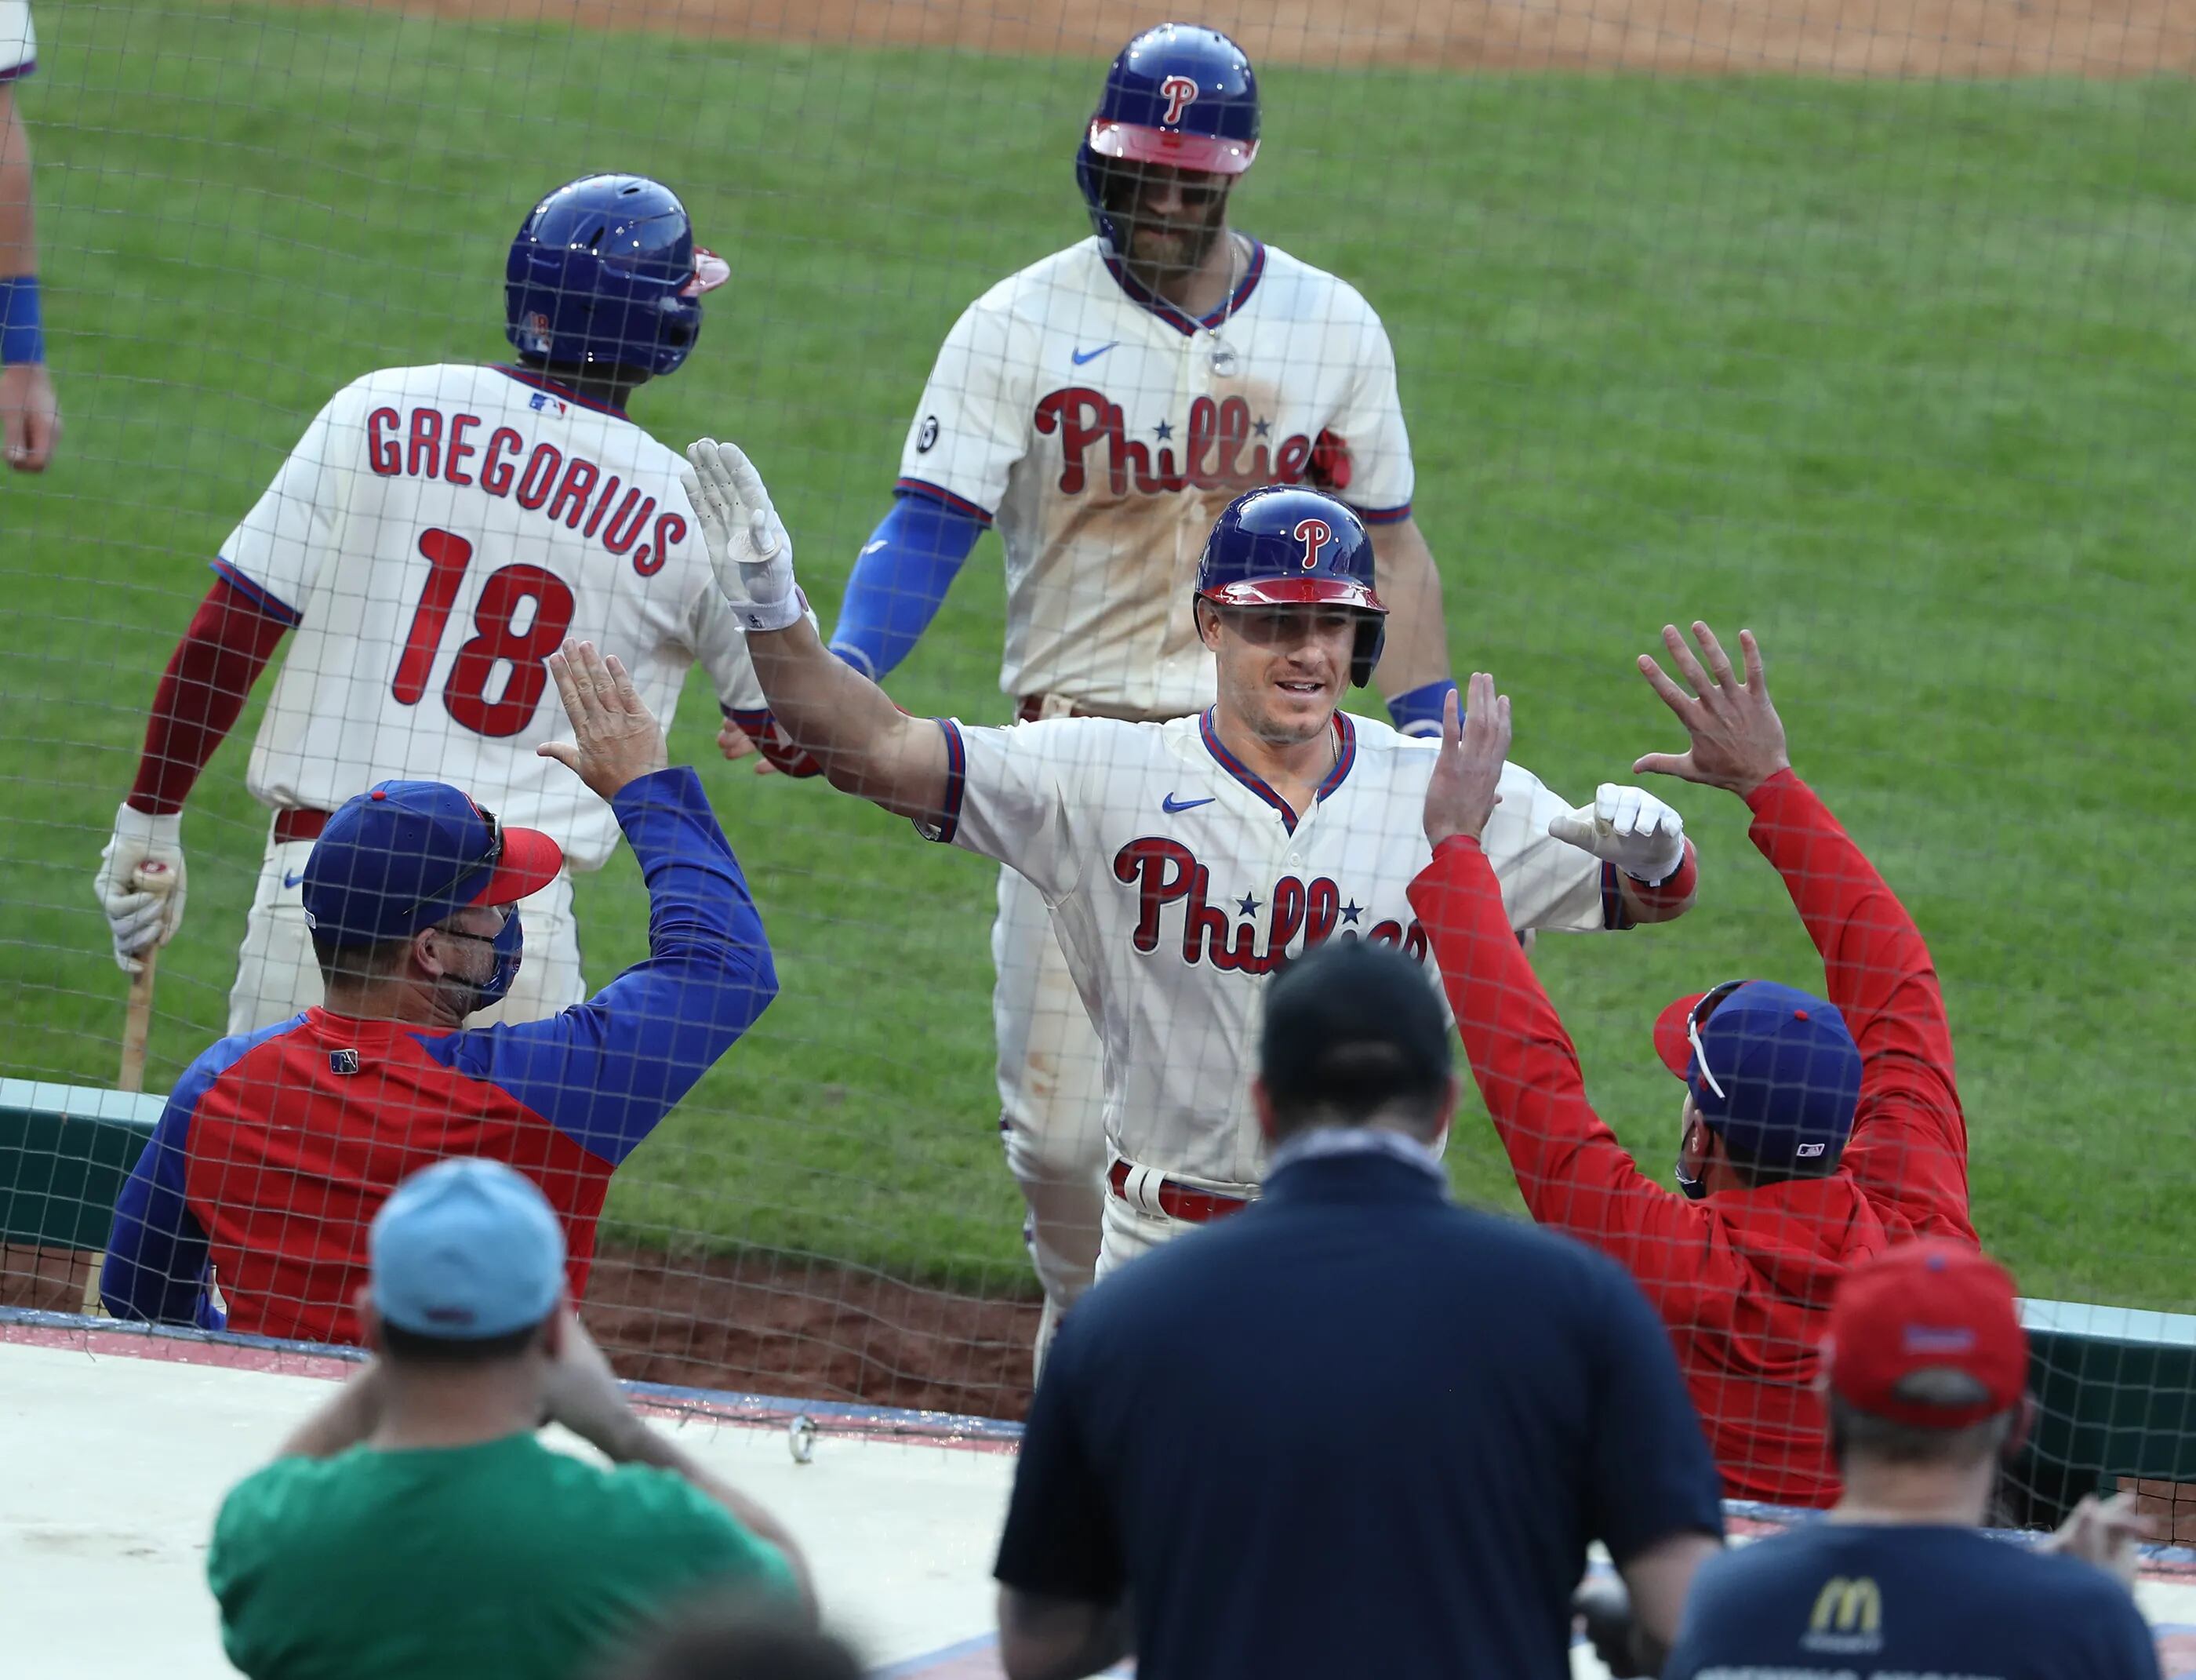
[[1177, 881], [1166, 872], [1105, 431], [1213, 457]]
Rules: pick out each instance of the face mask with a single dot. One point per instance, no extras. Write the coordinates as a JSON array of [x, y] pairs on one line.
[[509, 946]]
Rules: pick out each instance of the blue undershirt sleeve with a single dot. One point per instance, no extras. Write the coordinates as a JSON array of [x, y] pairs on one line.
[[899, 581], [155, 1270], [604, 1072]]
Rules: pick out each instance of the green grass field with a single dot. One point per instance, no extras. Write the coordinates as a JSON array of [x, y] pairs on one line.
[[1904, 376]]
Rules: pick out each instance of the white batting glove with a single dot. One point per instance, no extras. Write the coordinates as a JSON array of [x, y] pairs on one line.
[[139, 920], [749, 545], [1627, 827]]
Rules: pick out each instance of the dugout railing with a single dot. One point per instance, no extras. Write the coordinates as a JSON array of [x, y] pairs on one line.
[[2115, 1386]]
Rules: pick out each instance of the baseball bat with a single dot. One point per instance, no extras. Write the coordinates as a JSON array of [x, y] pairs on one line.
[[136, 1027], [158, 880]]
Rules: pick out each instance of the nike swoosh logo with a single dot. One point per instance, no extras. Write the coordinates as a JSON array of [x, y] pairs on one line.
[[1078, 357], [291, 881], [1173, 806]]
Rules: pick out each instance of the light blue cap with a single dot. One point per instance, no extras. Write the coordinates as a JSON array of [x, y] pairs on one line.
[[464, 1250]]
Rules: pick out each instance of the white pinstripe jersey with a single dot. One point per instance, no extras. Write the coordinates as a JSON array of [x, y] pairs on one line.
[[1106, 431], [434, 536], [1178, 882]]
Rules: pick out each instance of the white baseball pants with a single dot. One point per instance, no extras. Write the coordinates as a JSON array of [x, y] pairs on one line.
[[1052, 1093]]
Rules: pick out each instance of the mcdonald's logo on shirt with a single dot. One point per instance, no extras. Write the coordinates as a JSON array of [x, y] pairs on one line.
[[1847, 1616]]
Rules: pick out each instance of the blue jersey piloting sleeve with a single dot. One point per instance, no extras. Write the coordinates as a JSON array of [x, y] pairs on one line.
[[604, 1072], [899, 581], [1419, 711]]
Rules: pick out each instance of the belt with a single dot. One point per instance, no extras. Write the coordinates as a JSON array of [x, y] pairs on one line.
[[1179, 1201], [291, 823], [1033, 708]]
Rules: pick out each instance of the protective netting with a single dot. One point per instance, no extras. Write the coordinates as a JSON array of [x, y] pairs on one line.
[[1865, 327]]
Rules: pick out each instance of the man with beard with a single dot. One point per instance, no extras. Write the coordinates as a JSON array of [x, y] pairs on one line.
[[1185, 863], [1102, 405]]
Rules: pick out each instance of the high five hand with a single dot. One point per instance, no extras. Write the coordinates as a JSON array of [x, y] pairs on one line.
[[1460, 794], [1737, 738], [748, 547], [615, 738]]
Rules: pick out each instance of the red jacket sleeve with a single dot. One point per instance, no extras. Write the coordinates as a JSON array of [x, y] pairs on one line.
[[1573, 1172], [1908, 1149], [202, 692]]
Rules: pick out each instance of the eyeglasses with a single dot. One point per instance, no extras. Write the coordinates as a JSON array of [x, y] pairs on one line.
[[1701, 1011], [503, 914]]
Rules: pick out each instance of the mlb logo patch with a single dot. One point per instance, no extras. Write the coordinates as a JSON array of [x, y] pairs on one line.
[[542, 403], [343, 1061]]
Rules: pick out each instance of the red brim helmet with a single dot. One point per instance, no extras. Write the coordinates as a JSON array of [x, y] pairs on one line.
[[1285, 546], [1212, 155]]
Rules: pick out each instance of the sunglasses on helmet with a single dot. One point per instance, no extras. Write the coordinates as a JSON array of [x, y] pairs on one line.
[[485, 864], [1696, 1017]]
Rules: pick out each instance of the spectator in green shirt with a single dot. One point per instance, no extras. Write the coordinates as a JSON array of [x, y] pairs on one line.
[[415, 1525]]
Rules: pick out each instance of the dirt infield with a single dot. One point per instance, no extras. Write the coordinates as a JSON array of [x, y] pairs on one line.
[[778, 1324], [1882, 38], [758, 1324]]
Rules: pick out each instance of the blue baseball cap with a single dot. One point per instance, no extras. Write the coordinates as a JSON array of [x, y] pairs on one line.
[[403, 855], [467, 1249], [1773, 1069]]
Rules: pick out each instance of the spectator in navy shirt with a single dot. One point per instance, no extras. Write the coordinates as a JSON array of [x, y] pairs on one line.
[[1354, 1428], [1925, 1368]]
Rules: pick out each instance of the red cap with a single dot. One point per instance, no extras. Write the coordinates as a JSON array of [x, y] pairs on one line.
[[1671, 1043], [530, 861], [1926, 1306]]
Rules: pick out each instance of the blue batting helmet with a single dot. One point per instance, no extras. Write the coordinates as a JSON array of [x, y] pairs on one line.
[[604, 273], [1285, 546], [1178, 96]]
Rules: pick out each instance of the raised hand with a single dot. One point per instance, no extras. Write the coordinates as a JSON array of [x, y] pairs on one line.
[[1737, 738], [748, 547], [615, 738], [1460, 794], [1627, 827]]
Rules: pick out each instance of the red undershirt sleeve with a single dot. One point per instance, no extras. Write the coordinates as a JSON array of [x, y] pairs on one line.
[[202, 693]]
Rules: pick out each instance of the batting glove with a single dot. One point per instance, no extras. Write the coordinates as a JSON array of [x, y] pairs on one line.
[[749, 545], [140, 919], [1627, 827]]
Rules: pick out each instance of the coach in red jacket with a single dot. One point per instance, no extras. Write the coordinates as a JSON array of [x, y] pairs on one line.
[[277, 1147], [1815, 1134]]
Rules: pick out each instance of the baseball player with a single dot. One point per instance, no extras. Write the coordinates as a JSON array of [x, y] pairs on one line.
[[1184, 862], [435, 536], [1102, 406], [30, 419]]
